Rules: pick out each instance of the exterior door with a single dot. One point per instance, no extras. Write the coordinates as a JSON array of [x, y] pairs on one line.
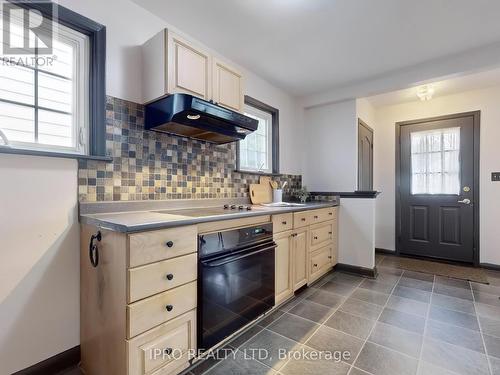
[[438, 163], [365, 157]]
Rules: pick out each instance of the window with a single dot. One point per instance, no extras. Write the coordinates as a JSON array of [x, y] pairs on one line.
[[258, 152], [50, 98], [435, 161]]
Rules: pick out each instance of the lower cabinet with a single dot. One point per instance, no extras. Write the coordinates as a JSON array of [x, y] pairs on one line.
[[283, 268], [320, 262], [299, 251]]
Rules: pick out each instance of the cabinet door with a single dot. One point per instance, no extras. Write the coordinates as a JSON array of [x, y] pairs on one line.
[[189, 68], [299, 259], [283, 267], [227, 86], [335, 244]]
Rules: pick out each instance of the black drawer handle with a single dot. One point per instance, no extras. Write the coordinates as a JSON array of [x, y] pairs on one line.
[[170, 276], [315, 216], [315, 237], [168, 351], [169, 307], [169, 244], [283, 222], [330, 213], [315, 265], [330, 232], [329, 257], [303, 219]]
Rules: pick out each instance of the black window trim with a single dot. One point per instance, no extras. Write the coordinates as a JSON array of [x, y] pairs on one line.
[[97, 78], [275, 114]]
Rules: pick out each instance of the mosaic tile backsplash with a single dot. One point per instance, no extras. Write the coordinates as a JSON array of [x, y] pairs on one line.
[[152, 166]]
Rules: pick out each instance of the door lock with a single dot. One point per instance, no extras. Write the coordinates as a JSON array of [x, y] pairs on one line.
[[465, 201]]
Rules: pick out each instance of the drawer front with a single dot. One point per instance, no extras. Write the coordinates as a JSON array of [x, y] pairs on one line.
[[301, 219], [282, 222], [320, 262], [324, 214], [149, 353], [158, 277], [321, 233], [150, 312], [153, 246]]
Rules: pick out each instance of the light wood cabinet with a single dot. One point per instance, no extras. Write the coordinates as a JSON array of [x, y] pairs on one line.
[[227, 86], [283, 266], [188, 67], [319, 262], [173, 64], [299, 247]]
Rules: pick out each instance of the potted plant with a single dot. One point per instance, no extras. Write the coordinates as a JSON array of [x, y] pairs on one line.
[[302, 194]]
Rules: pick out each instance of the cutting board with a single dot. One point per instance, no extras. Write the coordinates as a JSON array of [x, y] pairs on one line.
[[258, 194], [266, 182]]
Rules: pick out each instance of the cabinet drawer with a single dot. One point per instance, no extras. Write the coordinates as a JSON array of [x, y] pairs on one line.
[[149, 247], [152, 311], [321, 233], [301, 219], [324, 214], [149, 351], [158, 277], [320, 262], [282, 222]]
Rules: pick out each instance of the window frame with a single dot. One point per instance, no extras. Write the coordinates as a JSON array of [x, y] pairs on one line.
[[274, 112], [96, 111]]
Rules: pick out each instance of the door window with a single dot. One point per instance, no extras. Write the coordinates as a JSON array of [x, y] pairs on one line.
[[435, 161]]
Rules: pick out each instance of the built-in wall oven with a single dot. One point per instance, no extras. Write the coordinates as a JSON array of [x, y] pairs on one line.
[[235, 280]]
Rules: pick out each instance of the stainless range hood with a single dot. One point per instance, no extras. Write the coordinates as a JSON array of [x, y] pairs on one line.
[[192, 117]]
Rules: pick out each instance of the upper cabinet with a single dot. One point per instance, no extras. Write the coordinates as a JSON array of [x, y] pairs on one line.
[[173, 64]]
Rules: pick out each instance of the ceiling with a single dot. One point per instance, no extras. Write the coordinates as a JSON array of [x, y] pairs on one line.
[[311, 46], [449, 86]]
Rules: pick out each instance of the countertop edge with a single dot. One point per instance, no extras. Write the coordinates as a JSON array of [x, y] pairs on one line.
[[91, 219]]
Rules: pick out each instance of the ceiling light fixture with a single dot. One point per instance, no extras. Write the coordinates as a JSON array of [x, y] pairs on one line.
[[425, 92]]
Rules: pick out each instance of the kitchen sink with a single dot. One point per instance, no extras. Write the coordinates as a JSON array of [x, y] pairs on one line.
[[283, 204]]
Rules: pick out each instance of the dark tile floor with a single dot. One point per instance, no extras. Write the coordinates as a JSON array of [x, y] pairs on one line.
[[401, 323]]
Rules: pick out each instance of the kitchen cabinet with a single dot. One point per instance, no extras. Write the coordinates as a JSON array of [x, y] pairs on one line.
[[227, 86], [299, 247], [173, 64], [283, 266]]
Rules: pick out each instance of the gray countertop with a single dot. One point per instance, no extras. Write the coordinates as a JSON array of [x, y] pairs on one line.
[[135, 221]]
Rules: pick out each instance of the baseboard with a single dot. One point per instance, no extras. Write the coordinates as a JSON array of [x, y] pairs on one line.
[[489, 266], [384, 251], [363, 271], [54, 365]]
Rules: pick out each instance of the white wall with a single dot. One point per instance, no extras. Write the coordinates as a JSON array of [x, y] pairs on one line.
[[39, 263], [357, 232], [485, 100], [330, 160], [39, 266]]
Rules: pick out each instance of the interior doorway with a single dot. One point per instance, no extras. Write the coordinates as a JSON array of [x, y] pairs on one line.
[[365, 157]]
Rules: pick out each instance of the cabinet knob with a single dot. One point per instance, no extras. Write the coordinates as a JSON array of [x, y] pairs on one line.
[[315, 265], [330, 213], [283, 222], [315, 237], [168, 351], [169, 307], [303, 219], [330, 232], [169, 244], [170, 276], [329, 257], [315, 216]]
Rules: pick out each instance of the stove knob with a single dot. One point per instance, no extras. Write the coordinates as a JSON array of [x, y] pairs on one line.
[[240, 207], [233, 207], [249, 208], [226, 206]]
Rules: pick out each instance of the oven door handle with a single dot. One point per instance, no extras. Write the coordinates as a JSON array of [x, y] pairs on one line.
[[221, 263]]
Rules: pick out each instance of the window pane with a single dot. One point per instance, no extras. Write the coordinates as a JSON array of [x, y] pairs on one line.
[[435, 161], [55, 93], [255, 150], [55, 129], [63, 65], [17, 122], [16, 84]]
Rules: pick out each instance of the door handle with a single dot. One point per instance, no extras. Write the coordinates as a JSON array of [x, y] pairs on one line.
[[465, 201]]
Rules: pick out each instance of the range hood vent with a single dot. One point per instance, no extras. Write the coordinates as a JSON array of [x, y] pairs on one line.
[[192, 117]]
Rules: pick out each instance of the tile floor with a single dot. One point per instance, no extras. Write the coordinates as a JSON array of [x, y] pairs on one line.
[[401, 323]]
